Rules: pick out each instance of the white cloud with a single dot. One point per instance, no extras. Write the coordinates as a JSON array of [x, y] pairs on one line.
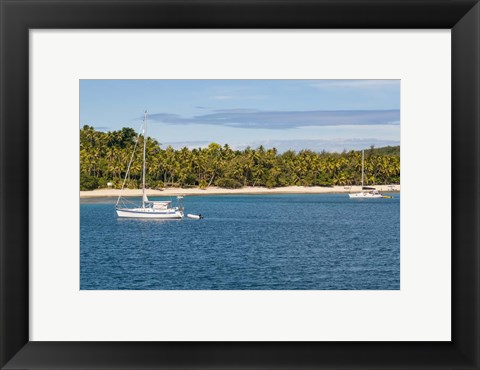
[[255, 119], [329, 145]]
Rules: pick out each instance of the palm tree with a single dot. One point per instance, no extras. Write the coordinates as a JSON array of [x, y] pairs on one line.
[[105, 156]]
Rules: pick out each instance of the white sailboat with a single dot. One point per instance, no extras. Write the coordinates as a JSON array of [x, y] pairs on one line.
[[148, 208], [367, 192]]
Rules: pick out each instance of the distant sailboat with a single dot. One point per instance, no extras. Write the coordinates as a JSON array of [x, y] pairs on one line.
[[367, 192], [148, 208]]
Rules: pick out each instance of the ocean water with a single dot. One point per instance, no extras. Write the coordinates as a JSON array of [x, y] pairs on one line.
[[245, 242]]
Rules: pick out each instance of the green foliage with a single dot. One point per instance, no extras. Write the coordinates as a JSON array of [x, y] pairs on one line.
[[104, 157], [102, 182], [323, 180], [229, 183], [387, 150], [88, 182]]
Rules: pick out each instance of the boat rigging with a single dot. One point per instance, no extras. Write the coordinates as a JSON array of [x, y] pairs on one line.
[[147, 209]]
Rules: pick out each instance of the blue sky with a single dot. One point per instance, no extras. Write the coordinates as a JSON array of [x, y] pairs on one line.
[[288, 114]]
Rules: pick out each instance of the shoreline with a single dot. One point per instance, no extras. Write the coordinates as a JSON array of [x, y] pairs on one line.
[[213, 190]]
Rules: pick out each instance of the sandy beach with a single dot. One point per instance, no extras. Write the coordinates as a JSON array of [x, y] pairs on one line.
[[212, 190]]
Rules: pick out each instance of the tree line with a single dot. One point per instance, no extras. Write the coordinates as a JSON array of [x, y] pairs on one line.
[[104, 158]]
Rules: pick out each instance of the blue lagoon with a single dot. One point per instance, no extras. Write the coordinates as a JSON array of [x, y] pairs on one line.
[[245, 242]]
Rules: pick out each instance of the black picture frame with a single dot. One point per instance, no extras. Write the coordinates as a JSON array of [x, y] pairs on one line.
[[17, 17]]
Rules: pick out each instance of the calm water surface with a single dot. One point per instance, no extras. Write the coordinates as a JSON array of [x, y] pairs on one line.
[[307, 241]]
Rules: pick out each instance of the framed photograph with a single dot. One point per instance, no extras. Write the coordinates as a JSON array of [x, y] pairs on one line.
[[239, 174]]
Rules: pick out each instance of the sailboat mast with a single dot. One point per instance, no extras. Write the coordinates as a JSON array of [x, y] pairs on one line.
[[144, 150], [363, 160]]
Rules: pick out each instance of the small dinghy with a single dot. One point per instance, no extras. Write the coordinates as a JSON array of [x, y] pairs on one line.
[[195, 217]]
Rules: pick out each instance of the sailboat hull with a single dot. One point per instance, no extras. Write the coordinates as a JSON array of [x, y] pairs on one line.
[[160, 210], [149, 213], [365, 195]]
